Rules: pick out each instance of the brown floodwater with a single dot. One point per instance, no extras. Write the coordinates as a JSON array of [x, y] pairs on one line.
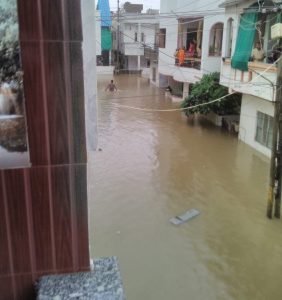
[[156, 165]]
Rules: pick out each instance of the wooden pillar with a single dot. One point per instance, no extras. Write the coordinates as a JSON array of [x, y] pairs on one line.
[[43, 209]]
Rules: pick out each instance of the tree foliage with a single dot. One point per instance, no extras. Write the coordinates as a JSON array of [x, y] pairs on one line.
[[208, 89], [9, 45]]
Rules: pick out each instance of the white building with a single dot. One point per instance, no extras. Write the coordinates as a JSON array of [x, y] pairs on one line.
[[137, 39], [98, 33], [247, 23], [181, 23]]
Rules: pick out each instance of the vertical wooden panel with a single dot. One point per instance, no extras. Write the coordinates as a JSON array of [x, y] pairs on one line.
[[43, 221], [40, 199], [80, 178], [28, 20], [18, 220], [77, 94], [24, 287], [6, 288], [73, 16], [36, 114], [52, 21], [4, 249], [57, 107], [62, 216]]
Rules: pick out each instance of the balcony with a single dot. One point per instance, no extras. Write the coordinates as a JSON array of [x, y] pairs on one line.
[[258, 81], [134, 48], [190, 62]]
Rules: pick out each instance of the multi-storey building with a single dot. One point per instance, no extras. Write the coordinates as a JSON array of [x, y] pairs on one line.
[[103, 8], [198, 25], [136, 41], [247, 23]]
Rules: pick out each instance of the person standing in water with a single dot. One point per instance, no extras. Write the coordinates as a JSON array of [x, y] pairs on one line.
[[111, 87]]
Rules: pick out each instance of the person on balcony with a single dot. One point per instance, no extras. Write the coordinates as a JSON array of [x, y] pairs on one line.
[[258, 53], [274, 54], [181, 56], [191, 49]]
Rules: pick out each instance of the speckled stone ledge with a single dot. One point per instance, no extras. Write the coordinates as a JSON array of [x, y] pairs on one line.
[[104, 283]]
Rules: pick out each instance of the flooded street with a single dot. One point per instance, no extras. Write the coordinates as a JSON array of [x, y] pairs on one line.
[[155, 165]]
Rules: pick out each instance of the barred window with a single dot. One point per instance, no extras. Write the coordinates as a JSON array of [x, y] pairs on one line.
[[264, 129], [162, 37]]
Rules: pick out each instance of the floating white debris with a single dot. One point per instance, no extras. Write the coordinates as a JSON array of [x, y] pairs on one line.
[[188, 215]]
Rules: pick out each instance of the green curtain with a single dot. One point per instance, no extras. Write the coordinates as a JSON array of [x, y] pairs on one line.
[[106, 39], [245, 40]]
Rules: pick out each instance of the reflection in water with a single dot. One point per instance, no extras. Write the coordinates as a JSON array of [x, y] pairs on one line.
[[156, 165]]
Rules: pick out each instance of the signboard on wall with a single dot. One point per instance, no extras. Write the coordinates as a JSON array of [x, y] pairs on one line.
[[13, 133]]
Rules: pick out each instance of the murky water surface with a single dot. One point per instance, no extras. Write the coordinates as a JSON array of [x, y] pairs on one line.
[[154, 166]]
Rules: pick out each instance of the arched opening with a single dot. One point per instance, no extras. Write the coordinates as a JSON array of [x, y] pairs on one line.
[[229, 37], [215, 44]]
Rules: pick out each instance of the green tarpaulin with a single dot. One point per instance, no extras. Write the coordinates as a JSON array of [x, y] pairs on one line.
[[245, 40], [106, 39]]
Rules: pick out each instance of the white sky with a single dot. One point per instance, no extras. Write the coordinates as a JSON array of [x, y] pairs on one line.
[[146, 4]]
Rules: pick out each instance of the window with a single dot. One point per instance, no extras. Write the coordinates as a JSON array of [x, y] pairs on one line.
[[142, 37], [162, 37], [229, 38], [215, 44], [135, 37], [264, 129]]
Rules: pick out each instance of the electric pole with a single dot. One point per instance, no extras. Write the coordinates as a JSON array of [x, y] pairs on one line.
[[279, 159], [274, 192], [118, 39]]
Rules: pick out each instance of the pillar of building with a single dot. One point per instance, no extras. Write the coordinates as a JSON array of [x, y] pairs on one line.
[[185, 90], [139, 46], [43, 208]]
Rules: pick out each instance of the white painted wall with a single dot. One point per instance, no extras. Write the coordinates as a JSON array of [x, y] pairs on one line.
[[248, 120], [137, 23], [162, 81], [98, 33], [210, 63], [132, 62], [184, 6], [89, 71], [166, 55], [259, 86]]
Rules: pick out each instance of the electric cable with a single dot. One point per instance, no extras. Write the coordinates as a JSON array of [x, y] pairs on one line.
[[186, 108]]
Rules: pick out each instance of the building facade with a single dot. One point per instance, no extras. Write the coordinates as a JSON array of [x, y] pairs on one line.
[[197, 28], [136, 41], [247, 24], [106, 34]]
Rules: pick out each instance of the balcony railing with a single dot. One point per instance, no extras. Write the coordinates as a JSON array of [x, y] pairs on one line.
[[259, 80], [190, 62]]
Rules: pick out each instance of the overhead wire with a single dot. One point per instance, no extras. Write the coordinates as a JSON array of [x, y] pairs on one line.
[[180, 68], [142, 43], [190, 107]]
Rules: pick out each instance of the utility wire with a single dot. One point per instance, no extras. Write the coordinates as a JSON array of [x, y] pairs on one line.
[[186, 108]]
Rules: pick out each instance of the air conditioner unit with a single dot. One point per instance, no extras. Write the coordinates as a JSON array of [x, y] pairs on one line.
[[276, 31]]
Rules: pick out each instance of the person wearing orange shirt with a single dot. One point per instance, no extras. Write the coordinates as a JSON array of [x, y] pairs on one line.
[[181, 56]]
